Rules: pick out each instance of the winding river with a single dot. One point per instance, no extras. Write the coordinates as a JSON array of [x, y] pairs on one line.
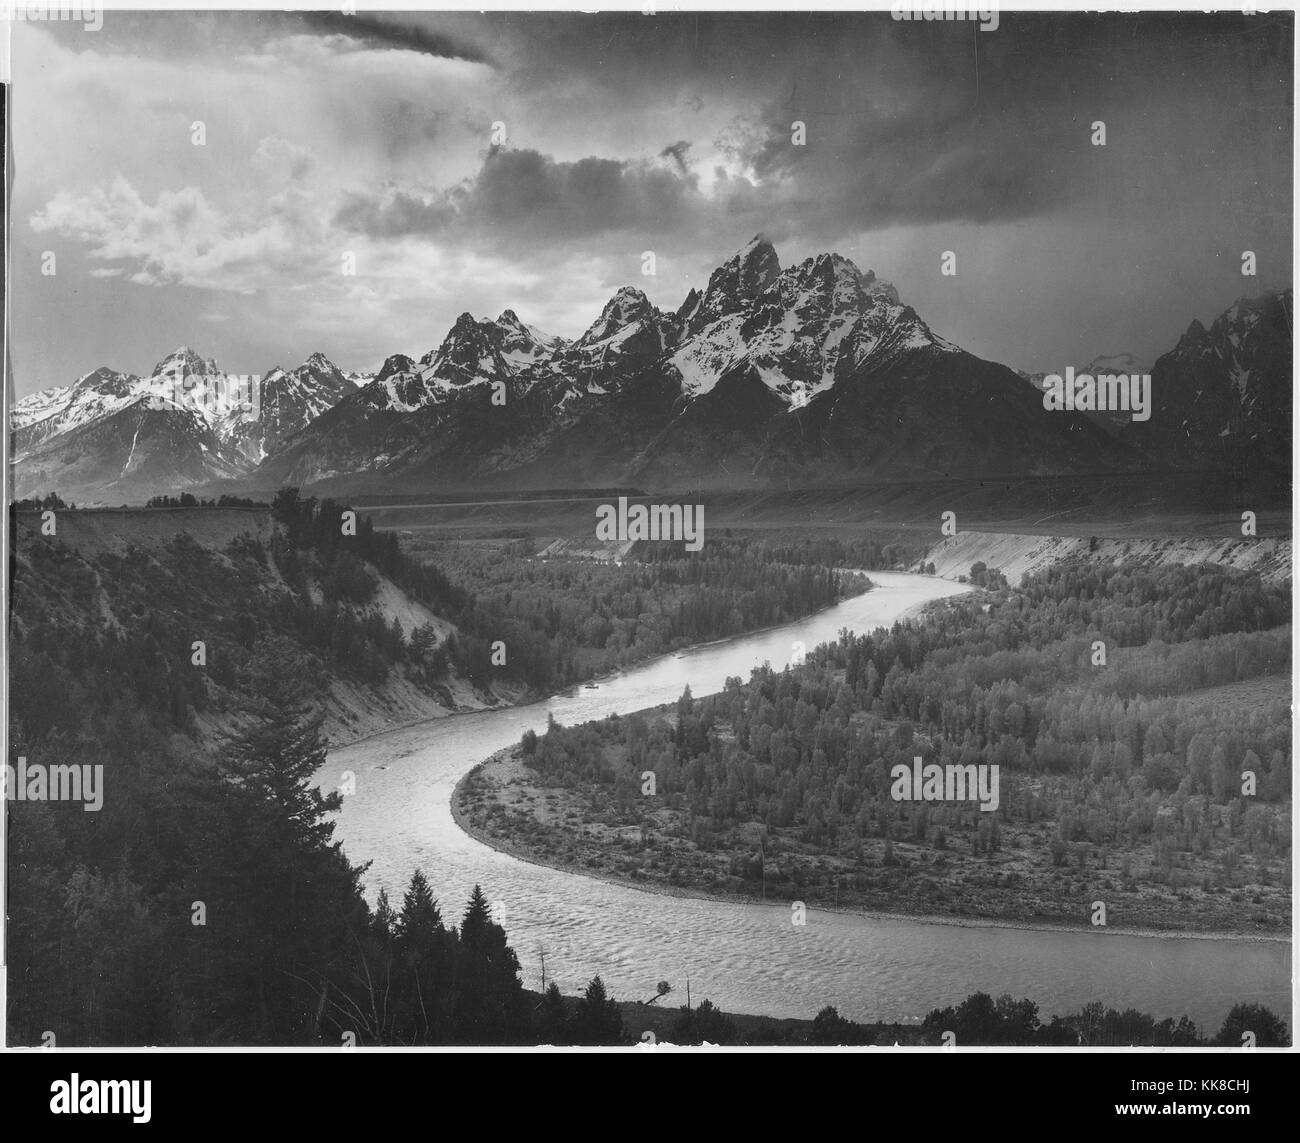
[[749, 957]]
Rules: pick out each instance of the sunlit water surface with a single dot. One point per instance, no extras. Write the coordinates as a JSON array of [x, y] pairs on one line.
[[750, 958]]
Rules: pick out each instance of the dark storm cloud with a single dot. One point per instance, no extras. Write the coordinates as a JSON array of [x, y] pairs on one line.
[[903, 123], [395, 215], [520, 193], [405, 37], [918, 124], [677, 152], [916, 166]]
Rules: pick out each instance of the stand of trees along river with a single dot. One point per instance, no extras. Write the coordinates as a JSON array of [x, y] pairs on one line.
[[1140, 719], [207, 901], [559, 622], [1012, 684]]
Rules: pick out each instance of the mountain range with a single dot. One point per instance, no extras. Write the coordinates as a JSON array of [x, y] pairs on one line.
[[816, 373], [119, 437]]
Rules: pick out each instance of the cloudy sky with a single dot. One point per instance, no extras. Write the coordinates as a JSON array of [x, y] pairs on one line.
[[373, 136]]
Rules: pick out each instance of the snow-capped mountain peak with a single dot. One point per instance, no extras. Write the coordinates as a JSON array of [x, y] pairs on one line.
[[106, 381], [524, 344], [475, 351], [216, 420], [319, 362], [629, 333], [282, 403], [51, 412], [184, 361], [808, 325], [736, 283], [626, 309], [815, 369]]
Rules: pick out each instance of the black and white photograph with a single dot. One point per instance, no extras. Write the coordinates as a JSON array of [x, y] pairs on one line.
[[649, 531]]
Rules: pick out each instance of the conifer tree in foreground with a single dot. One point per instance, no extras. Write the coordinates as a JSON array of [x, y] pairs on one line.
[[598, 1019], [291, 894], [493, 1008]]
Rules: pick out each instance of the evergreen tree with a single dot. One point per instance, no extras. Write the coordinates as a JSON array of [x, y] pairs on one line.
[[384, 924], [552, 1018], [420, 918], [1270, 1030], [492, 1008], [426, 997], [289, 892], [705, 1024], [597, 1019]]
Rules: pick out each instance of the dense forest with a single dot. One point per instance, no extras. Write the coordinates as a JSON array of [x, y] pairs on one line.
[[189, 500], [98, 638], [564, 620], [863, 551], [1111, 698], [92, 634], [210, 905], [206, 902], [558, 622]]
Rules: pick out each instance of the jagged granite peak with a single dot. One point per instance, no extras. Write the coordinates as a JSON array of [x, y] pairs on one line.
[[1195, 333], [830, 280], [397, 386], [1227, 332], [286, 402], [394, 364], [468, 352], [835, 273], [630, 334], [327, 382], [475, 351], [627, 307], [806, 373], [689, 305], [1224, 394], [185, 361], [1246, 313], [525, 344], [105, 380], [812, 323], [738, 281], [319, 363]]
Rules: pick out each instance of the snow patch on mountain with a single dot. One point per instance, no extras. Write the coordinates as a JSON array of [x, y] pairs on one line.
[[249, 415], [800, 329]]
